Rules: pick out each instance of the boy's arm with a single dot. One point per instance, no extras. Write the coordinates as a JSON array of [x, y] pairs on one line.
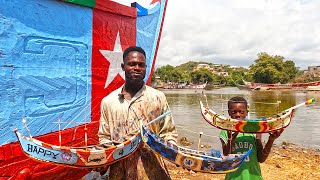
[[228, 143], [263, 153]]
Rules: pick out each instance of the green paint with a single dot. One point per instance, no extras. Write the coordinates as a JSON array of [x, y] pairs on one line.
[[251, 126], [88, 3]]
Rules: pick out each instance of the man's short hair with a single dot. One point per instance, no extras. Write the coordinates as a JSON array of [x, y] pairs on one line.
[[237, 99], [133, 48]]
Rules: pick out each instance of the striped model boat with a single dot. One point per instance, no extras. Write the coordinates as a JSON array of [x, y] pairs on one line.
[[80, 157], [198, 161], [282, 120]]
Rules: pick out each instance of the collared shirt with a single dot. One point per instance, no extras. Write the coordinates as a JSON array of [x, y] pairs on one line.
[[120, 116]]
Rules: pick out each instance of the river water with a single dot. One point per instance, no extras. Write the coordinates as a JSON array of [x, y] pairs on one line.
[[303, 130]]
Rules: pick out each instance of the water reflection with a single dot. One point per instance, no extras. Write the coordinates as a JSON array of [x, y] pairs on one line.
[[269, 103], [186, 111]]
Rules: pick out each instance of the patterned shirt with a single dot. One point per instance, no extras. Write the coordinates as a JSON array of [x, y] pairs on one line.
[[120, 116]]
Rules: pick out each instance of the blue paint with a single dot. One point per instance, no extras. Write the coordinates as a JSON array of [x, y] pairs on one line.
[[45, 65], [148, 29], [126, 150], [142, 11]]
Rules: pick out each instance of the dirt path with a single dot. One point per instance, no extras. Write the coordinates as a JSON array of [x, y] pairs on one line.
[[284, 162]]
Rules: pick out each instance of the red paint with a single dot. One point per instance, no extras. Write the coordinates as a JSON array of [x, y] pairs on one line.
[[104, 36], [108, 18], [239, 126], [154, 1], [16, 165], [263, 126], [115, 8]]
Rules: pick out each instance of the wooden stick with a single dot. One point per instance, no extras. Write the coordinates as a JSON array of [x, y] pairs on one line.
[[59, 131], [222, 110], [24, 121], [85, 131], [206, 100], [199, 140], [302, 104]]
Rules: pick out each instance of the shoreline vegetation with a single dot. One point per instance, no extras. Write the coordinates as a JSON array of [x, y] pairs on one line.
[[286, 161], [266, 69]]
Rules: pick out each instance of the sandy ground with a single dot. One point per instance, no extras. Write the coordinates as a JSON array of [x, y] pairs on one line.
[[286, 161]]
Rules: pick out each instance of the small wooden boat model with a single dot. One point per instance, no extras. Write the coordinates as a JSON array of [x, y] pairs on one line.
[[80, 157], [280, 121], [198, 161]]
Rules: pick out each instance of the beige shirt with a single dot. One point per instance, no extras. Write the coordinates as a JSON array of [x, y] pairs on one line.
[[120, 117]]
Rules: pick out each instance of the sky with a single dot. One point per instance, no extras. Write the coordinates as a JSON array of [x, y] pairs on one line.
[[233, 32]]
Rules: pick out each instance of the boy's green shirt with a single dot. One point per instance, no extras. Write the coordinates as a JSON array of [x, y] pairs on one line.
[[250, 169]]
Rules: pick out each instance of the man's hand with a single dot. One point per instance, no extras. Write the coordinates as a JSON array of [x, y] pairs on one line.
[[102, 170]]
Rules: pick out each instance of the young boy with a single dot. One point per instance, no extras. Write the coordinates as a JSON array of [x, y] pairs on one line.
[[235, 143]]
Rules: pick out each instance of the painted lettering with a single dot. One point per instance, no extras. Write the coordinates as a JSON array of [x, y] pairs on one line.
[[240, 145], [40, 151], [29, 148], [246, 145], [250, 146], [133, 144]]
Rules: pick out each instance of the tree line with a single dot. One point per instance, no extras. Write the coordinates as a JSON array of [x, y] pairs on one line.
[[265, 69]]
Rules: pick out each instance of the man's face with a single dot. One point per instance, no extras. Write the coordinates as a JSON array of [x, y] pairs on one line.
[[134, 66], [238, 111]]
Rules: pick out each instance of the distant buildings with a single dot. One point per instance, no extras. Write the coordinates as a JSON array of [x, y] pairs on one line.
[[312, 71], [218, 69]]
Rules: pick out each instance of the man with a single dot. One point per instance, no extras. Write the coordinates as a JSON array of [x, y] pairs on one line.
[[121, 111], [241, 143]]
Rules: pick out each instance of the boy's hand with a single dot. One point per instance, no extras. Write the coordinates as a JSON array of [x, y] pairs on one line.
[[259, 136], [231, 135], [275, 134]]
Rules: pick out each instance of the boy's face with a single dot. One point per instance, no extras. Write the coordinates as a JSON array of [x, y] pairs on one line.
[[238, 111]]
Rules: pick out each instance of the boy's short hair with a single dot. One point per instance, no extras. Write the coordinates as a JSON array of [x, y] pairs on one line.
[[237, 99], [133, 48]]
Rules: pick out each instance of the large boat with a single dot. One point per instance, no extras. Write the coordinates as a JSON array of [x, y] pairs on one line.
[[313, 88], [58, 59], [196, 86], [277, 86]]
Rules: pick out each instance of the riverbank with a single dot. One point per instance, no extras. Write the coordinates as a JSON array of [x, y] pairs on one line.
[[286, 161]]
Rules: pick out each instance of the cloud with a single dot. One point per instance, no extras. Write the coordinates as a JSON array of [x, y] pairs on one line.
[[235, 31]]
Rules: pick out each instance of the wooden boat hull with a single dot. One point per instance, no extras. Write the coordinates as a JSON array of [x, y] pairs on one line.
[[199, 161], [246, 126], [77, 157], [59, 69], [313, 88], [278, 86]]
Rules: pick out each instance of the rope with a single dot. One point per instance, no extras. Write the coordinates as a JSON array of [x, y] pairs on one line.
[[194, 131]]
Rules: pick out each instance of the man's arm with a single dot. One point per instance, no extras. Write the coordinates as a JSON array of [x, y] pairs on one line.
[[104, 127], [167, 128]]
